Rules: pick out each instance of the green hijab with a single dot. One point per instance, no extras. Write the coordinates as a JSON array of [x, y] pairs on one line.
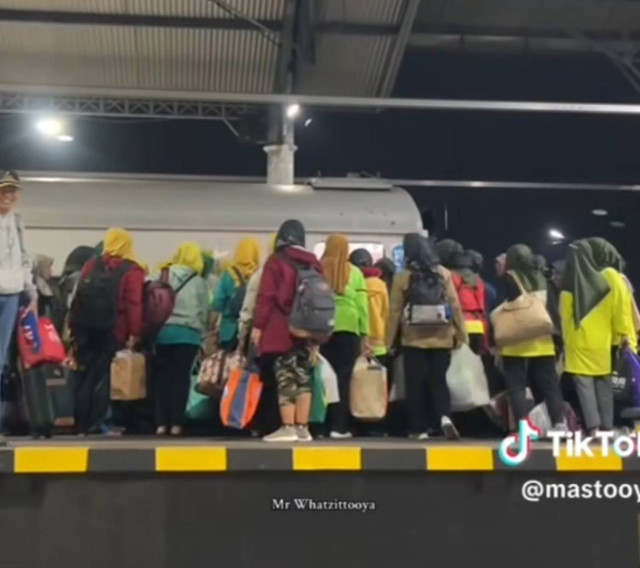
[[446, 250], [605, 255], [522, 261], [582, 278], [462, 264]]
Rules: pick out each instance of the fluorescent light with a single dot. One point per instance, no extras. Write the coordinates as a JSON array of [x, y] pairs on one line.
[[64, 138], [556, 235], [618, 224], [600, 212], [308, 121], [293, 110], [50, 126]]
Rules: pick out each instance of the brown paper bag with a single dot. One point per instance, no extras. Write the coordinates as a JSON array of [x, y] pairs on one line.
[[128, 376]]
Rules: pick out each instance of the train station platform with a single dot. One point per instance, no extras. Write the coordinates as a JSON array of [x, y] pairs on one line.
[[95, 455]]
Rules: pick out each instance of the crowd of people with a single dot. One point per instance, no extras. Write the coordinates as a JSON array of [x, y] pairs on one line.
[[422, 313]]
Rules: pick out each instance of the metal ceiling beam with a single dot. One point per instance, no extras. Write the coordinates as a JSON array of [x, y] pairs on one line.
[[399, 47], [320, 101]]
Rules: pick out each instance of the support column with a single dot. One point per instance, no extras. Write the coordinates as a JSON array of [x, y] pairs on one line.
[[280, 156]]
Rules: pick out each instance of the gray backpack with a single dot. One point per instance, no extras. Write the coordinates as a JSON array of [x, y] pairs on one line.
[[313, 312]]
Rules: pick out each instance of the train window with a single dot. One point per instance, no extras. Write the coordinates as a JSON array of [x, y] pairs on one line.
[[375, 249]]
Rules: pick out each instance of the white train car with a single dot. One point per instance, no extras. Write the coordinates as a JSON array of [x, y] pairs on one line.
[[63, 212]]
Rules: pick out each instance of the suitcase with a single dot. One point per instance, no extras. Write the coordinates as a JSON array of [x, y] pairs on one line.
[[60, 386], [39, 405]]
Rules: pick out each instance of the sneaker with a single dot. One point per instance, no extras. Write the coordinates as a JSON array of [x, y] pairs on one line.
[[561, 427], [423, 436], [282, 434], [450, 431], [303, 434], [341, 435]]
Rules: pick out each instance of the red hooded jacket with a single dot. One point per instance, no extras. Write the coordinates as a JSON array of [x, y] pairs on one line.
[[275, 299], [129, 322]]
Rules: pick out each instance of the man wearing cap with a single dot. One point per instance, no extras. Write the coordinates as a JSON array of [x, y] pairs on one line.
[[15, 265]]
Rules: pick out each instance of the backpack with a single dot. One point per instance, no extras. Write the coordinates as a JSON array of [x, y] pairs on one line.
[[426, 299], [314, 309], [95, 306], [235, 304], [469, 296], [159, 301]]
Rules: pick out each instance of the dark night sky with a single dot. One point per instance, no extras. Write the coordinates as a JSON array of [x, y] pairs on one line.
[[526, 147]]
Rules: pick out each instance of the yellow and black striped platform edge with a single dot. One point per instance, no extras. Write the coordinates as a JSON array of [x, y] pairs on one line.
[[212, 459]]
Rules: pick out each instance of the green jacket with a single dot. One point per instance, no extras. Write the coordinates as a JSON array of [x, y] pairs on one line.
[[352, 307]]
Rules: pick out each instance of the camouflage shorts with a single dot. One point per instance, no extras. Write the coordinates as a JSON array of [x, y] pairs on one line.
[[293, 375]]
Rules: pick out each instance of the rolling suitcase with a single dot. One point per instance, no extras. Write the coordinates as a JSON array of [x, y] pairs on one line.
[[39, 405], [59, 383]]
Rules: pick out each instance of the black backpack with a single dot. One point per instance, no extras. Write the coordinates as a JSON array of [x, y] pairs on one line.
[[95, 305], [426, 299], [235, 304]]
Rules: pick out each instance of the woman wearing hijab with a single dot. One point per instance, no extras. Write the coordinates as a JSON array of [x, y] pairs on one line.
[[426, 348], [530, 362], [178, 342], [291, 356], [595, 306], [472, 296], [95, 353], [45, 285], [446, 249], [230, 292], [388, 269], [351, 330]]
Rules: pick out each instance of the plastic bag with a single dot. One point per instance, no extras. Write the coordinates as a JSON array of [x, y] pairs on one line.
[[318, 412], [330, 380], [467, 380], [128, 376]]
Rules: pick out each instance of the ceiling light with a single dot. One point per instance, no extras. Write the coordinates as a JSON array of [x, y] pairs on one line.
[[64, 138], [308, 121], [50, 126], [618, 224], [556, 235], [293, 110], [600, 212]]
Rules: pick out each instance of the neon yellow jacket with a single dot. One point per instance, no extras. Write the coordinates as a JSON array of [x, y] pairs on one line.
[[588, 348]]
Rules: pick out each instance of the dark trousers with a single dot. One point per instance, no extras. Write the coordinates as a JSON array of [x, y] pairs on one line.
[[426, 386], [540, 374], [92, 388], [173, 379], [268, 413], [341, 351]]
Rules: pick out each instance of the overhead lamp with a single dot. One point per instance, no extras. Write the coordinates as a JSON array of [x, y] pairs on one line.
[[600, 212], [64, 138], [308, 121], [618, 224], [556, 235], [293, 110], [50, 126]]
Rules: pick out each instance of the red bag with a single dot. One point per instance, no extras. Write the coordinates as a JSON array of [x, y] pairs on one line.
[[46, 349], [240, 397]]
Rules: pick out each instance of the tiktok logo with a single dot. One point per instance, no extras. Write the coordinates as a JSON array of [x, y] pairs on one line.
[[515, 449]]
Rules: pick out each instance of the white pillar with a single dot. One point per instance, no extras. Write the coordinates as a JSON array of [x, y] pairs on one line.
[[280, 164]]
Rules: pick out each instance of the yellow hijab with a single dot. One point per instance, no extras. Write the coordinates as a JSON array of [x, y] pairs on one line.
[[246, 258], [119, 243], [335, 262], [189, 254]]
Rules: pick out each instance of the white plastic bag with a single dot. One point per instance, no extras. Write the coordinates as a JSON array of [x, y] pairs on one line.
[[540, 418], [330, 380], [467, 380]]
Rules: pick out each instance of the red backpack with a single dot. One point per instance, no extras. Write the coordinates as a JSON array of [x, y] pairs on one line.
[[159, 303], [472, 298]]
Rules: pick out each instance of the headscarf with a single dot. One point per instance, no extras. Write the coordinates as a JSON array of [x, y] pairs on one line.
[[290, 233], [521, 260], [119, 243], [388, 269], [335, 262], [272, 242], [605, 255], [419, 252], [477, 261], [582, 278], [208, 263], [98, 251], [77, 258], [461, 264], [501, 261], [446, 249], [246, 258], [361, 258], [42, 274], [189, 255], [541, 263]]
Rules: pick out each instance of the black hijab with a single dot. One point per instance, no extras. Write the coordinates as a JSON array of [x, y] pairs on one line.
[[361, 258], [462, 264], [419, 252], [290, 233], [78, 257]]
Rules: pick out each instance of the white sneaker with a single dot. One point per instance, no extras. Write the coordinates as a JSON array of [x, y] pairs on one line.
[[303, 434], [282, 434], [423, 436], [341, 435], [450, 431]]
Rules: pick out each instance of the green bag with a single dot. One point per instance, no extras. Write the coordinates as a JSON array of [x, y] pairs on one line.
[[200, 408], [318, 397]]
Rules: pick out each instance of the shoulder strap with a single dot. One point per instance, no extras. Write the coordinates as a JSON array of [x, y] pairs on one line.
[[18, 219], [185, 282], [241, 278], [517, 280]]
